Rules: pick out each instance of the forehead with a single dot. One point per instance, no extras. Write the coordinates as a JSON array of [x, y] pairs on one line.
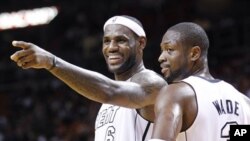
[[171, 38], [117, 30]]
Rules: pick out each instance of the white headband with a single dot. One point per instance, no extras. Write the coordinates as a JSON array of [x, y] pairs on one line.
[[126, 22]]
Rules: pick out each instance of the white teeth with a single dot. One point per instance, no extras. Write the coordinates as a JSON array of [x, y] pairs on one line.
[[114, 56]]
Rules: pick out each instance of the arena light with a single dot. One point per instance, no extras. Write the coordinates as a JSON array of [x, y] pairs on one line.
[[24, 18]]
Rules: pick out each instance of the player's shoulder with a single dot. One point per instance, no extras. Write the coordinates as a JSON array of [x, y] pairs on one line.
[[178, 88], [238, 94], [246, 99], [148, 76], [178, 91]]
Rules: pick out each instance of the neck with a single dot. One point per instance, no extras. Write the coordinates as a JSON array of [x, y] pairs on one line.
[[202, 70], [199, 68], [130, 72]]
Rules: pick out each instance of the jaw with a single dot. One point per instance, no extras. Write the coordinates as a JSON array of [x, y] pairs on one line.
[[174, 75], [114, 68]]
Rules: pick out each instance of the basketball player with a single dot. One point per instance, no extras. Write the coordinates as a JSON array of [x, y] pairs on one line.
[[195, 106], [128, 109]]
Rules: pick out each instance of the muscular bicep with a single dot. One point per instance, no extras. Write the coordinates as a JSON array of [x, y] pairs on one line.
[[169, 115], [136, 94], [176, 110], [125, 94]]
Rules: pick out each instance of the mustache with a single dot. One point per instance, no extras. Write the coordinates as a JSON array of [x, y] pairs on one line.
[[164, 65]]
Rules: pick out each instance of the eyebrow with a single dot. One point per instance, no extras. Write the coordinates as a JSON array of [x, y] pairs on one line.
[[165, 43], [116, 36]]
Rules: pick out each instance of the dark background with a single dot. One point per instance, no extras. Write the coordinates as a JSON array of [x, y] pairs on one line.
[[35, 106]]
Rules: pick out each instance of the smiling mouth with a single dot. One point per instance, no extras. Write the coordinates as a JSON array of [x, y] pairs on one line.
[[113, 60]]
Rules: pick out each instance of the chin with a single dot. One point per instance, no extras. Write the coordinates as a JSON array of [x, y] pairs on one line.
[[114, 68], [169, 79]]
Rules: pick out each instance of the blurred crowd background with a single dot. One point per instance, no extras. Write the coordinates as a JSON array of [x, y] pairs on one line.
[[35, 106]]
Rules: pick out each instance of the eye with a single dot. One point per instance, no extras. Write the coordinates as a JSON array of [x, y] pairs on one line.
[[106, 41], [169, 50], [121, 40]]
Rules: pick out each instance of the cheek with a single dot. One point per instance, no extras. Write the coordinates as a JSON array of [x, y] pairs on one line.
[[127, 51], [104, 50], [104, 53], [176, 62]]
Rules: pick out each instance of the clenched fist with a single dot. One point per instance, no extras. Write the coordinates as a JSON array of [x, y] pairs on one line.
[[32, 56]]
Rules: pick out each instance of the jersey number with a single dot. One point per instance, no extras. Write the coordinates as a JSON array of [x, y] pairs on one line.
[[225, 129], [109, 134]]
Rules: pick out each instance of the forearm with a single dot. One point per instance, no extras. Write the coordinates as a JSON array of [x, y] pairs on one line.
[[89, 84]]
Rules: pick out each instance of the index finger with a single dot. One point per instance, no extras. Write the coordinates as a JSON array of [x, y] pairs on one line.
[[21, 44]]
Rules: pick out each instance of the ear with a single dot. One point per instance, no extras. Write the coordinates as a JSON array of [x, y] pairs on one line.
[[195, 53], [142, 42]]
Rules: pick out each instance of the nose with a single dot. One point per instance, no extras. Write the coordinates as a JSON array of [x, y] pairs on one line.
[[113, 46], [161, 58]]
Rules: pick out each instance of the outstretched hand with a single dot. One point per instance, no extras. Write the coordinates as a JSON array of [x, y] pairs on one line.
[[32, 56]]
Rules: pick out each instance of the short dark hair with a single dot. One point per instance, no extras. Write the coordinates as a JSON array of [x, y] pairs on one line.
[[192, 34]]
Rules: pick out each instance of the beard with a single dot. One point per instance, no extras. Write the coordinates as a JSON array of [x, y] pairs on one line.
[[173, 76], [176, 75], [123, 67]]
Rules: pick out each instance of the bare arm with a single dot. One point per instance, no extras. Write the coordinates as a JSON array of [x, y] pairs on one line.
[[173, 113], [90, 84], [100, 88]]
